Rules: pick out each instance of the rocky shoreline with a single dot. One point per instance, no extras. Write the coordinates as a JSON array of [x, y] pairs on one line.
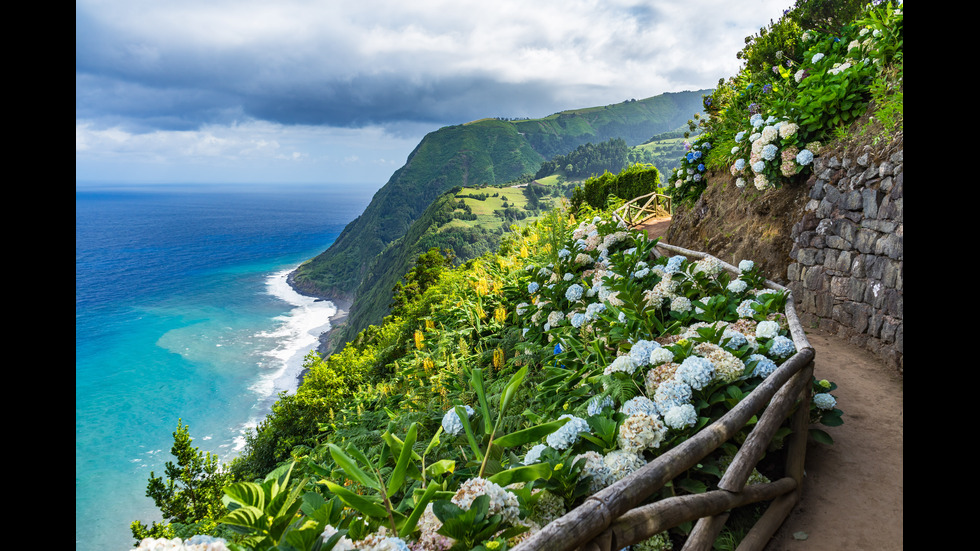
[[342, 304]]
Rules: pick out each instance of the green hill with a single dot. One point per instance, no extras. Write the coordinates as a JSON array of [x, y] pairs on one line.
[[359, 267]]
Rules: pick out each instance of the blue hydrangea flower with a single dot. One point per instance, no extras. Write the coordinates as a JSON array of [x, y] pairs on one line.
[[824, 401], [592, 311], [680, 417], [697, 372], [735, 341], [735, 150], [764, 366], [758, 166], [781, 347], [745, 310], [574, 292], [804, 157], [596, 406], [578, 319], [564, 253], [640, 352], [533, 287], [739, 137], [451, 423], [756, 120], [701, 167], [740, 164], [674, 264], [769, 152], [639, 404], [670, 393], [567, 435]]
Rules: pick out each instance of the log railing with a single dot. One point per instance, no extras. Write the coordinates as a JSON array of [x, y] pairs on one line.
[[617, 516], [637, 210]]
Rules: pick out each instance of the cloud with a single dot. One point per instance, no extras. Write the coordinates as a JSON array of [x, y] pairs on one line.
[[184, 66]]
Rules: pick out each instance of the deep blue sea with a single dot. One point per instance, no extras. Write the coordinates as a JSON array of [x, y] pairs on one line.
[[182, 311]]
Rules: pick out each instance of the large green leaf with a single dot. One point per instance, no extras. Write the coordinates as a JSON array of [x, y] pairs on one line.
[[350, 467], [246, 517], [398, 475], [526, 473], [476, 379], [530, 434], [363, 504], [247, 494]]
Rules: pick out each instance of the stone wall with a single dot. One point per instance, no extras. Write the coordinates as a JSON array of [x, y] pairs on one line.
[[847, 266]]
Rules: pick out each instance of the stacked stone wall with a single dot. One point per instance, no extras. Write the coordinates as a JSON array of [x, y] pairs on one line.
[[847, 265]]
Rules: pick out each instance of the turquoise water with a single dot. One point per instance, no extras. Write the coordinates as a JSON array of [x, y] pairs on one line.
[[182, 312]]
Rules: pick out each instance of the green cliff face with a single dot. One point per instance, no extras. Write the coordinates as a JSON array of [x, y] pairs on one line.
[[377, 248]]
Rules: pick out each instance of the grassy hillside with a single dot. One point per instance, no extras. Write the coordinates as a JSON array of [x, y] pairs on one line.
[[483, 152]]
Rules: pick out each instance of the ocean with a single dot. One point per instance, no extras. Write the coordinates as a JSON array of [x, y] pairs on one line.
[[183, 313]]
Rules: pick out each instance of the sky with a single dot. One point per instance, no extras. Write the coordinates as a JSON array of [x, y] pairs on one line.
[[330, 91]]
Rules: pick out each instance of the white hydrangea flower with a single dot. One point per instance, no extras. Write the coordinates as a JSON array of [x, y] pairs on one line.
[[621, 363], [661, 355], [824, 401], [596, 468], [680, 304], [737, 286], [622, 463], [502, 502], [745, 265], [639, 404], [766, 329], [681, 416], [640, 432], [534, 454]]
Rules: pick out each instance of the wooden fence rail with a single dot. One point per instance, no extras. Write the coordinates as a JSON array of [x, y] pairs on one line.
[[618, 516], [637, 210]]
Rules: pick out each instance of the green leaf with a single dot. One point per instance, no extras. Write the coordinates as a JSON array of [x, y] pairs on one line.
[[692, 486], [246, 517], [351, 469], [510, 391], [434, 442], [409, 526], [526, 473], [821, 437], [398, 475], [531, 434], [247, 494], [365, 505], [440, 467], [461, 413], [476, 379]]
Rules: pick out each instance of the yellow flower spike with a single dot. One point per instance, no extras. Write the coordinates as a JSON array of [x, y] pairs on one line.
[[524, 252], [498, 357], [480, 312], [500, 314], [419, 339], [429, 324]]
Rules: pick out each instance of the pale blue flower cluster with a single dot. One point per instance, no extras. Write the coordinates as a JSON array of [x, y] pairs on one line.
[[574, 292], [674, 264], [735, 341], [804, 157], [564, 253], [533, 287], [596, 406], [739, 137], [682, 416], [781, 347], [740, 164], [567, 435], [745, 265], [670, 393], [764, 366], [639, 404], [758, 166], [769, 152], [578, 319], [756, 121], [451, 423], [593, 310], [745, 310], [696, 371], [640, 353], [824, 401], [534, 454]]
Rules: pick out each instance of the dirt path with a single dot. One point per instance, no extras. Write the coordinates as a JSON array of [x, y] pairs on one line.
[[853, 490]]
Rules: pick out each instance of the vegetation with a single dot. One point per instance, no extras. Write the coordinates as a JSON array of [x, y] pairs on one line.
[[805, 79], [422, 429], [597, 192], [361, 267]]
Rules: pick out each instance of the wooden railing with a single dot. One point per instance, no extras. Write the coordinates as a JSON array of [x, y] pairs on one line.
[[618, 516], [637, 210]]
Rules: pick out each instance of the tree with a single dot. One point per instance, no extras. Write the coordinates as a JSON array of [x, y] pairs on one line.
[[192, 491]]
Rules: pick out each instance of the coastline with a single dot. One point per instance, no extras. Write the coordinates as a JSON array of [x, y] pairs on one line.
[[341, 303]]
